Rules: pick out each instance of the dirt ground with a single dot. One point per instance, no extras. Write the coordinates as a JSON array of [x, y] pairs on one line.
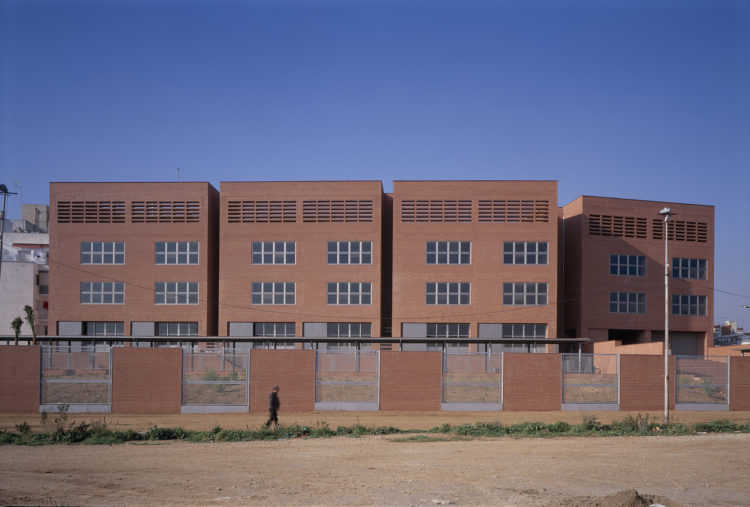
[[384, 470]]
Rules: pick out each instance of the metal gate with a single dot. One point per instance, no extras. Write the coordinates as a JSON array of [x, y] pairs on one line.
[[347, 380], [590, 382], [215, 380], [701, 383], [472, 381], [76, 378]]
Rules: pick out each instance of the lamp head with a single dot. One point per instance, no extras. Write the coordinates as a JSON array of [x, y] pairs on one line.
[[665, 212]]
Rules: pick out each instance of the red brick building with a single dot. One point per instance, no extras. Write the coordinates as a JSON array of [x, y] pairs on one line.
[[301, 259], [614, 272], [134, 259]]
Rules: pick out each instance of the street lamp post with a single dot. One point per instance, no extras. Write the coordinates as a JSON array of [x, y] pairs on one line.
[[667, 214], [4, 191]]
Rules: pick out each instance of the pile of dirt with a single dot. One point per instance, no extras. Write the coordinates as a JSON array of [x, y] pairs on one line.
[[627, 498]]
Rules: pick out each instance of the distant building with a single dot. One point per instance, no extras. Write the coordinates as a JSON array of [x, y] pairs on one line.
[[729, 334]]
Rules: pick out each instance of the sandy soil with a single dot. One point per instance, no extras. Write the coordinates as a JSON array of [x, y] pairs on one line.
[[387, 470]]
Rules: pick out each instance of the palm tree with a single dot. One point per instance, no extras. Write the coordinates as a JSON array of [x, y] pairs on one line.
[[30, 321], [16, 326]]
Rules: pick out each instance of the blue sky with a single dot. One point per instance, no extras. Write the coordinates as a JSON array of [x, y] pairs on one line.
[[623, 98]]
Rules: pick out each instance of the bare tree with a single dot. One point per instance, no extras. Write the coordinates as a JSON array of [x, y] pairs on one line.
[[16, 326], [30, 321]]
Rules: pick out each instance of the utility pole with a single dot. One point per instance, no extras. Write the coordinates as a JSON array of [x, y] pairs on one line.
[[4, 191], [667, 214]]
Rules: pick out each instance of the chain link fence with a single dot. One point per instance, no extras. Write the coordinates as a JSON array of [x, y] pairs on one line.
[[701, 383], [472, 381], [590, 381], [347, 380], [76, 378], [215, 380]]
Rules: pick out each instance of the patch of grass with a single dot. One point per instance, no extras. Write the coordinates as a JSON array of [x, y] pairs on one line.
[[422, 438]]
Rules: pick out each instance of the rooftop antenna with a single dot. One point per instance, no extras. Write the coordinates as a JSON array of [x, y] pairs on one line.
[[178, 175]]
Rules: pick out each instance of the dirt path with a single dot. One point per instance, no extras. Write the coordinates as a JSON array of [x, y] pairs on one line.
[[695, 470]]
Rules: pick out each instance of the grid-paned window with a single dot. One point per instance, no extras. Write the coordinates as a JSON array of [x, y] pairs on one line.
[[627, 265], [103, 328], [176, 329], [274, 329], [694, 269], [448, 293], [627, 302], [524, 293], [525, 252], [175, 293], [448, 252], [273, 293], [176, 252], [350, 252], [348, 329], [447, 330], [688, 304], [102, 252], [102, 293], [524, 330], [349, 293], [274, 252]]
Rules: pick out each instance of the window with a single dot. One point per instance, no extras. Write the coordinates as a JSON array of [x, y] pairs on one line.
[[627, 302], [524, 293], [694, 269], [44, 289], [274, 252], [273, 293], [175, 293], [103, 328], [448, 293], [525, 252], [524, 330], [176, 329], [349, 252], [447, 330], [627, 265], [349, 293], [273, 329], [102, 252], [176, 252], [348, 329], [683, 304], [102, 293], [448, 252]]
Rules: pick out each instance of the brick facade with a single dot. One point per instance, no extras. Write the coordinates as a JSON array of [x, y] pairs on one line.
[[642, 382], [146, 381], [292, 370], [532, 382], [19, 379], [410, 380], [739, 383]]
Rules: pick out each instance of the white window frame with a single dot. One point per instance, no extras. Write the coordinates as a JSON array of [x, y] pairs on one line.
[[273, 293], [448, 329], [523, 330], [448, 252], [273, 252], [351, 329], [106, 328], [447, 293], [168, 253], [182, 328], [102, 293], [349, 252], [526, 252], [349, 293], [627, 265], [689, 305], [525, 293], [278, 329], [627, 302], [108, 252], [176, 293], [681, 268]]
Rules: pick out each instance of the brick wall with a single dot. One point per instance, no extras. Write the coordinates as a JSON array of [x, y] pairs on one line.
[[532, 382], [410, 380], [739, 383], [146, 381], [19, 379], [642, 382], [292, 370]]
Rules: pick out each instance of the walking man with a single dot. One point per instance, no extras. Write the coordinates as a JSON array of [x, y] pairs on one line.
[[273, 407]]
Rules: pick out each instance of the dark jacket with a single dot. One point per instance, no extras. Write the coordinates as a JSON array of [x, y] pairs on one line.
[[273, 401]]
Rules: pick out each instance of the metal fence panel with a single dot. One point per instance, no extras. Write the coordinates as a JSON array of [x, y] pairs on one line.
[[347, 377], [215, 377], [80, 377], [590, 379], [472, 378], [701, 380]]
